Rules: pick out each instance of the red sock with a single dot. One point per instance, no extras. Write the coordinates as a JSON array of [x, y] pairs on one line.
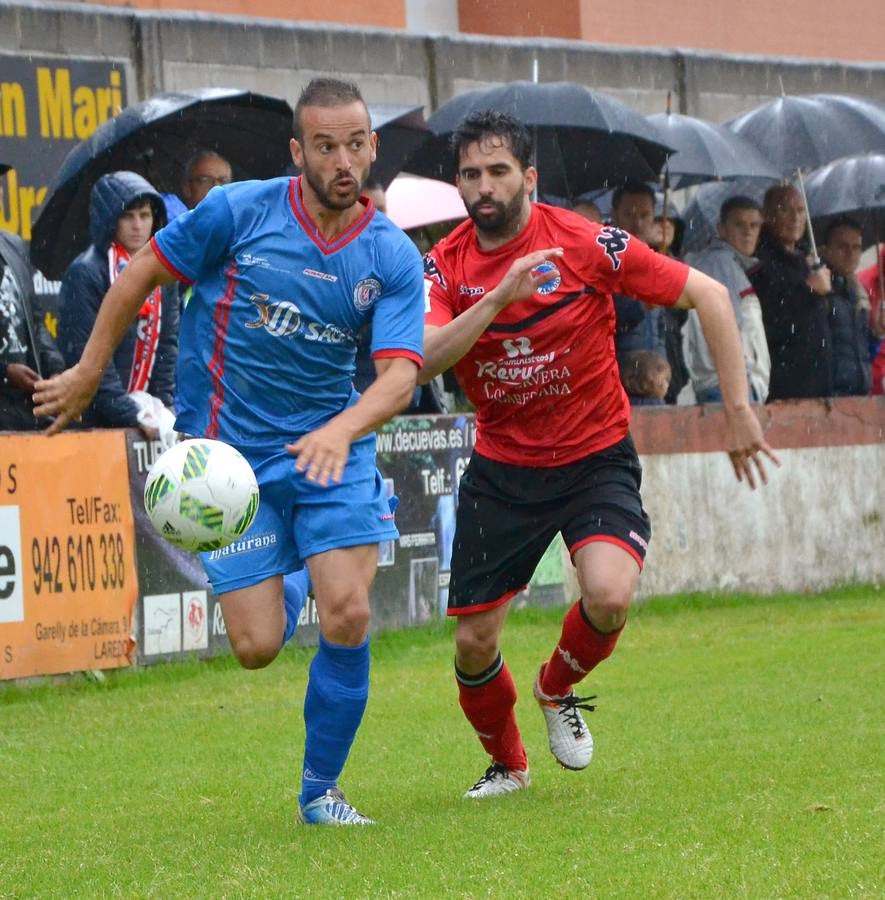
[[580, 649], [489, 707]]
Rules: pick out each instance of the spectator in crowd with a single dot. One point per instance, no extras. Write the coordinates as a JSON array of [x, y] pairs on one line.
[[646, 378], [637, 327], [27, 351], [589, 210], [872, 280], [137, 390], [849, 309], [793, 297], [728, 258], [202, 172]]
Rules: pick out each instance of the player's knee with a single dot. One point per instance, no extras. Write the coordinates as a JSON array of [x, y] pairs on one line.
[[607, 606], [476, 642], [254, 651], [345, 619]]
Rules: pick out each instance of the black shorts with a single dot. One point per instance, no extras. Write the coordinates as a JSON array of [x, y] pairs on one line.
[[508, 515]]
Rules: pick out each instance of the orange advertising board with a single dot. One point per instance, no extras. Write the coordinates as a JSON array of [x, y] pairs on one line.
[[68, 580]]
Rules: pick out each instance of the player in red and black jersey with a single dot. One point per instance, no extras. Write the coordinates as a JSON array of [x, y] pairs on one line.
[[519, 301]]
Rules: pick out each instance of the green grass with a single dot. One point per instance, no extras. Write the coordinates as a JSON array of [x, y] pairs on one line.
[[739, 753]]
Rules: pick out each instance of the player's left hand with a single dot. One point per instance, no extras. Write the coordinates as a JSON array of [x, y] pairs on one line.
[[746, 446], [322, 454]]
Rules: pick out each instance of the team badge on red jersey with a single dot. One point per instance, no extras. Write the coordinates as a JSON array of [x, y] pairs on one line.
[[549, 286]]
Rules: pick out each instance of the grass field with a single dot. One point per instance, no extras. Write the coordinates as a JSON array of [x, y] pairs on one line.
[[739, 753]]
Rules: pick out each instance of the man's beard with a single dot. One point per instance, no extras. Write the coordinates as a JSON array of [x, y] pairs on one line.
[[323, 193], [505, 218]]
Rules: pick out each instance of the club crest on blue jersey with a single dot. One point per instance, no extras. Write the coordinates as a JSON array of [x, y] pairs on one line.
[[366, 292], [550, 286]]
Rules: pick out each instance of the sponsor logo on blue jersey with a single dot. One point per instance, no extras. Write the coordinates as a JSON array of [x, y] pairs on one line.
[[550, 286], [282, 318]]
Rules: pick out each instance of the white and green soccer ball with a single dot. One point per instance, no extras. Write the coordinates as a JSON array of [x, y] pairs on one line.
[[201, 495]]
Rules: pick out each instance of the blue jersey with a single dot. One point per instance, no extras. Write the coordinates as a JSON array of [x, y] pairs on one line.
[[268, 338]]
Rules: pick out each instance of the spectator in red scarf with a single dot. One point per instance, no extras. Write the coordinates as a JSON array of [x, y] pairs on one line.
[[872, 280], [136, 390]]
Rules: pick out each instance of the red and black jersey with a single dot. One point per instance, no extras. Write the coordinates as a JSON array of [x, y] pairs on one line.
[[543, 376]]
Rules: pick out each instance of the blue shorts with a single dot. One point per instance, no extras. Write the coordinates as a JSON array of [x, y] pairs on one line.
[[297, 518]]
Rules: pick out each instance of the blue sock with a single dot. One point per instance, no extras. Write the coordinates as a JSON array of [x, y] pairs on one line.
[[296, 586], [337, 691]]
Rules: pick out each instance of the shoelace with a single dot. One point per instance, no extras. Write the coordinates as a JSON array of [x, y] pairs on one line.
[[568, 709], [494, 770], [342, 808]]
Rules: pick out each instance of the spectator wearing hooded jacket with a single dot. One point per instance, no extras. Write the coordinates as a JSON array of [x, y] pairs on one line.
[[27, 351], [124, 211], [728, 258], [872, 280], [793, 296]]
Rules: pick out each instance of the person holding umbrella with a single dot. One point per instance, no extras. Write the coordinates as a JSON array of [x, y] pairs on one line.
[[519, 301], [792, 291], [285, 273]]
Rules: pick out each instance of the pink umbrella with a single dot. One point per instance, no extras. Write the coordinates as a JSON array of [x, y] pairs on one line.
[[413, 202]]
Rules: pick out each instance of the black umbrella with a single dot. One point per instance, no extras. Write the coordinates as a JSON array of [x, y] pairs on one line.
[[809, 132], [401, 131], [155, 139], [583, 139], [853, 187], [708, 152]]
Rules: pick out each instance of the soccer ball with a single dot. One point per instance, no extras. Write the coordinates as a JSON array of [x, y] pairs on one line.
[[201, 495]]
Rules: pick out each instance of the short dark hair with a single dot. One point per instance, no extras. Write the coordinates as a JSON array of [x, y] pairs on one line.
[[486, 123], [841, 222], [325, 92], [632, 187], [735, 203]]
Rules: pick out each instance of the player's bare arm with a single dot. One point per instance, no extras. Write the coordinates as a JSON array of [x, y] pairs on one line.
[[323, 453], [445, 345], [745, 443], [67, 394]]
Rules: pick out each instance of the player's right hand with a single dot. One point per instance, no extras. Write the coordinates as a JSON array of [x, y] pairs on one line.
[[521, 281], [322, 454], [64, 396]]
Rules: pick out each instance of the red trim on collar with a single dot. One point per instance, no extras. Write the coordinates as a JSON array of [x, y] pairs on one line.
[[310, 228]]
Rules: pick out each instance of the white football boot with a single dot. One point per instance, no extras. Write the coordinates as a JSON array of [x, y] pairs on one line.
[[499, 780], [567, 733]]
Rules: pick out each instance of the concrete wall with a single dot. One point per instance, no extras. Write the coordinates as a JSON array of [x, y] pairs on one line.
[[819, 522], [169, 50]]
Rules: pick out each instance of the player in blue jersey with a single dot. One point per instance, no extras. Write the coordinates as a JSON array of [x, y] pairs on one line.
[[285, 273]]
